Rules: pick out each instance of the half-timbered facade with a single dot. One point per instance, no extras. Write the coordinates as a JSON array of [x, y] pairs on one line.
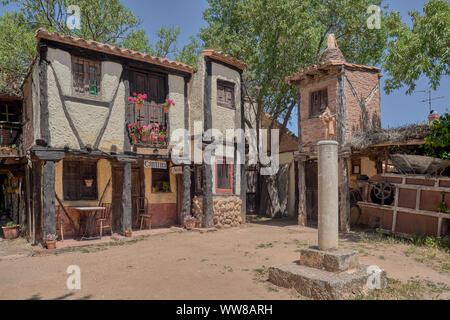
[[79, 143]]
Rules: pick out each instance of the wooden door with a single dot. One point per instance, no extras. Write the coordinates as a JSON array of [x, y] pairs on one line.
[[312, 190], [136, 191]]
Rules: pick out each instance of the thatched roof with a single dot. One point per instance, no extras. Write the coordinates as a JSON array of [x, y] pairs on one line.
[[398, 136]]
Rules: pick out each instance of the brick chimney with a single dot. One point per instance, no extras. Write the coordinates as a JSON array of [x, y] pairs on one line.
[[432, 117]]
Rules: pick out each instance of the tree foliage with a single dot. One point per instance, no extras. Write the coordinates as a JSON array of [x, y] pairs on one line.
[[438, 143], [422, 50], [277, 37]]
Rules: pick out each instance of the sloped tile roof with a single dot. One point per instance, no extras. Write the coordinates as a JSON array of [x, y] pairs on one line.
[[220, 56], [113, 50]]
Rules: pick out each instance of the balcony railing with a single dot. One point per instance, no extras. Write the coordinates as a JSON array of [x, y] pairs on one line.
[[10, 134], [155, 123]]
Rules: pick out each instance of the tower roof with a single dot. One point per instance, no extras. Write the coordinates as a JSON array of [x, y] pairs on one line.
[[332, 52]]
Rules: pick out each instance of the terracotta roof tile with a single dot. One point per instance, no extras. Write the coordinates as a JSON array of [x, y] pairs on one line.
[[220, 56], [109, 49], [325, 66]]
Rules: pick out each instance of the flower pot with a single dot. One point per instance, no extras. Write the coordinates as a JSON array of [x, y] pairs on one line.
[[190, 225], [146, 138], [134, 138], [51, 245], [139, 105], [11, 233], [15, 152], [166, 109], [5, 151], [128, 234]]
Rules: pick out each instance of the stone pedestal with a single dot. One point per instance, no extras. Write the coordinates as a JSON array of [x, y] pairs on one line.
[[328, 275]]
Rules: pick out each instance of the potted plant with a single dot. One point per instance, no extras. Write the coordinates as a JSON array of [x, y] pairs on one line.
[[14, 150], [155, 189], [166, 186], [135, 132], [138, 99], [145, 133], [50, 241], [11, 231], [166, 105], [5, 150], [88, 182], [129, 233], [189, 222]]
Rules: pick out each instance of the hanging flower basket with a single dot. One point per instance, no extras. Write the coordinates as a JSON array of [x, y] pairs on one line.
[[88, 182], [138, 99], [166, 105]]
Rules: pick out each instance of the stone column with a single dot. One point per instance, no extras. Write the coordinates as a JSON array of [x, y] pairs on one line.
[[328, 195]]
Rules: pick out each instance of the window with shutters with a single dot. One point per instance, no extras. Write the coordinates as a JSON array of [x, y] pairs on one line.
[[225, 94], [224, 177], [319, 102], [86, 77], [154, 85], [79, 180], [9, 111]]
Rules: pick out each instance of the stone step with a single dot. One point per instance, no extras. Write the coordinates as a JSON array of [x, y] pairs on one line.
[[337, 260], [323, 285]]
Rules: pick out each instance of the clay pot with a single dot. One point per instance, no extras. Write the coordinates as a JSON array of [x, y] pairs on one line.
[[145, 137], [51, 245], [190, 224], [11, 233], [139, 105], [128, 234], [166, 109], [134, 138]]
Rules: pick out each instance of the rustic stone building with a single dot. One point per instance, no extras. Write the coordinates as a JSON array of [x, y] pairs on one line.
[[336, 99]]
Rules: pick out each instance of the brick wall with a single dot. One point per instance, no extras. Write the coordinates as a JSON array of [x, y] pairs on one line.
[[313, 129], [363, 83]]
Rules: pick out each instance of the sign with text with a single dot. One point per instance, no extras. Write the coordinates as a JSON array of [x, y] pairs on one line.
[[155, 164]]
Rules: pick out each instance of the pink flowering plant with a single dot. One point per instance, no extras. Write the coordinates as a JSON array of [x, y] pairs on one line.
[[50, 237], [135, 128], [190, 219], [138, 98]]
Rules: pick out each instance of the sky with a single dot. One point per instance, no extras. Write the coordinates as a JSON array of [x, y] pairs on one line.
[[396, 109]]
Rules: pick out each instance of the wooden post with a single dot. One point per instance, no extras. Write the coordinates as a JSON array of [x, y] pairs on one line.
[[186, 209], [48, 196], [344, 190], [126, 197], [208, 204], [302, 216]]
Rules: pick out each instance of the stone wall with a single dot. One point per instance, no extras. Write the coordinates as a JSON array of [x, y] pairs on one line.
[[227, 211]]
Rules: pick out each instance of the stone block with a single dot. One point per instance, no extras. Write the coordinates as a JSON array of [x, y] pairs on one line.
[[323, 285], [332, 260]]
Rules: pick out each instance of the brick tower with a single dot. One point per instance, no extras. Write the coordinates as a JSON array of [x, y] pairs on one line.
[[336, 99]]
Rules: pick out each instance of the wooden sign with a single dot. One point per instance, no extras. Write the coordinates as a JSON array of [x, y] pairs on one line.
[[155, 164], [176, 170]]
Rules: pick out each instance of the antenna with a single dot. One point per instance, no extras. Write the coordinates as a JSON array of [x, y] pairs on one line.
[[430, 99]]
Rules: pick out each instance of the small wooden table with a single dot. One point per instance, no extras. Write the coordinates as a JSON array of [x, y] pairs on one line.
[[90, 214]]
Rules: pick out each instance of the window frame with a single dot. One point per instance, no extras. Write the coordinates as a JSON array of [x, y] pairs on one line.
[[320, 94], [81, 165], [5, 110], [227, 85], [222, 161], [167, 170], [86, 62]]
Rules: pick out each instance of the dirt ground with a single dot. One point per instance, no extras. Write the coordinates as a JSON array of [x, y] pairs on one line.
[[226, 264]]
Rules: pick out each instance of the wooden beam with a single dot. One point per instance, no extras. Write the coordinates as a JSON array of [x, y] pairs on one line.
[[302, 214], [48, 196]]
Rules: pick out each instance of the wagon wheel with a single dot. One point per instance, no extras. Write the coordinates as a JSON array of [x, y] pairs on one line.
[[382, 190]]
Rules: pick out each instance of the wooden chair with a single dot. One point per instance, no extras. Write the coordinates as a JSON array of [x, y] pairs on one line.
[[105, 219], [142, 212]]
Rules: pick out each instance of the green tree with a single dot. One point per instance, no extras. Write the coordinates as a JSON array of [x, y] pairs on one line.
[[277, 37], [422, 50], [17, 50], [437, 144]]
